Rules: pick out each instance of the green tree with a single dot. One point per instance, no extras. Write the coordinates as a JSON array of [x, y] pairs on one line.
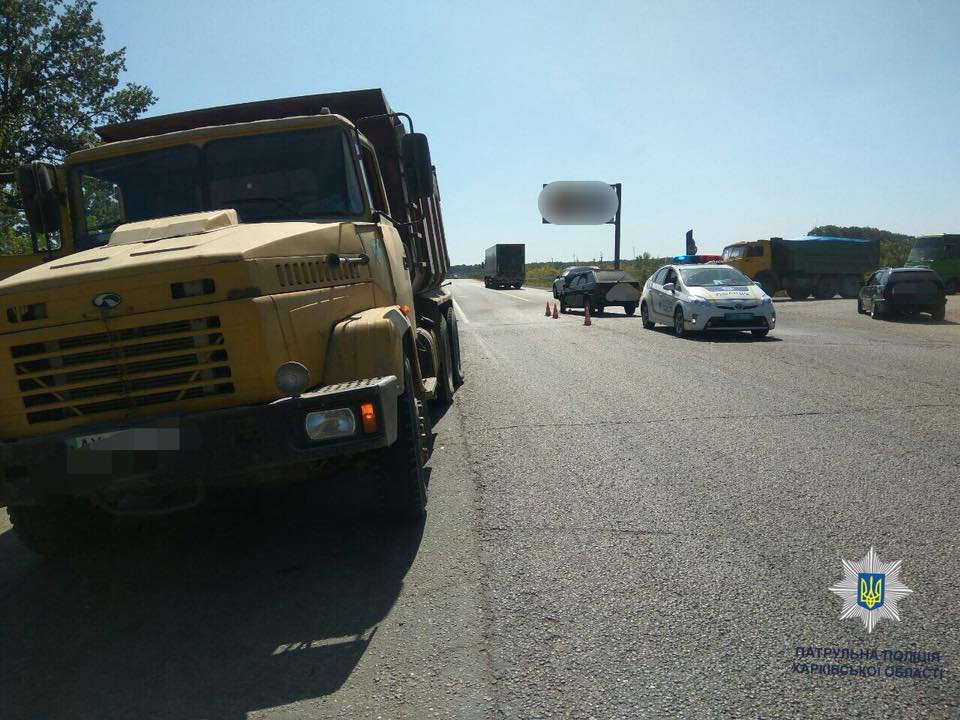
[[57, 83]]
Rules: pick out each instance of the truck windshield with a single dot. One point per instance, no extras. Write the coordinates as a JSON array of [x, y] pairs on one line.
[[926, 249], [267, 177]]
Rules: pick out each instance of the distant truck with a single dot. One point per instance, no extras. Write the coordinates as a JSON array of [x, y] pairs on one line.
[[940, 253], [817, 265], [504, 266]]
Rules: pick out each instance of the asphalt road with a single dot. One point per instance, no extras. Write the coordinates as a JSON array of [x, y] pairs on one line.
[[622, 524]]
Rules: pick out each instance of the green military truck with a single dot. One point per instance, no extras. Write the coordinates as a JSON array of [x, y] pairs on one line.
[[504, 266]]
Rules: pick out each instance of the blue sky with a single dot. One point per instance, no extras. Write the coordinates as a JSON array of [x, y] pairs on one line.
[[738, 119]]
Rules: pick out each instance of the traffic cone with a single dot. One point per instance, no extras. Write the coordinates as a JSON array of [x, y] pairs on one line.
[[555, 314], [546, 310], [586, 315]]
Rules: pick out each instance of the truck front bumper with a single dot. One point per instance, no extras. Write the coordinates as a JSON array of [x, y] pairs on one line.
[[209, 448]]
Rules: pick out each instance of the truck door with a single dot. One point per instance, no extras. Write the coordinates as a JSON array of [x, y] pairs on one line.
[[755, 260]]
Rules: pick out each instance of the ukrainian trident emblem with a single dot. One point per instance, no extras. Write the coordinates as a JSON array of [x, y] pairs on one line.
[[870, 590], [870, 593]]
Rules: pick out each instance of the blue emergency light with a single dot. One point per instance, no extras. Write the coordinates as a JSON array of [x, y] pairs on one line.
[[695, 259]]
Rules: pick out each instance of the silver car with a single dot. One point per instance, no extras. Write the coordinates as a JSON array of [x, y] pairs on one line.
[[706, 297]]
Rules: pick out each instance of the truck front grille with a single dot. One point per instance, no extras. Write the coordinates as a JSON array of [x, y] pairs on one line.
[[122, 369]]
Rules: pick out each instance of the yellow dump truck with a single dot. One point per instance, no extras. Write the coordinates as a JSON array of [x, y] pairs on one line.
[[255, 293], [814, 265]]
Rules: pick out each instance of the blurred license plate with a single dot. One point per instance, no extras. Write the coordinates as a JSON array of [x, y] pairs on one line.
[[738, 316], [162, 438]]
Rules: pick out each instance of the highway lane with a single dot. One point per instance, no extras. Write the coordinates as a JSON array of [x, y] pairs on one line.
[[622, 524], [661, 518]]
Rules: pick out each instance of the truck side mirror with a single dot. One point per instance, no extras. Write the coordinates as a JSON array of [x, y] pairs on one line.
[[41, 200], [417, 167]]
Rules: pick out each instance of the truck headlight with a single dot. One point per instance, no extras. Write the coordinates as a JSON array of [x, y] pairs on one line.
[[330, 424], [292, 378]]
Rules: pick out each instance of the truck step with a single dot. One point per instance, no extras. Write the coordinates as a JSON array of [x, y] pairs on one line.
[[430, 388]]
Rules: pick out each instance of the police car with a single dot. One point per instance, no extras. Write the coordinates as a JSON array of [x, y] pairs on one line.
[[705, 296]]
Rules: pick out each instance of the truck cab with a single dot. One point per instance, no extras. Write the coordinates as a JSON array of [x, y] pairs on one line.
[[753, 259], [940, 253]]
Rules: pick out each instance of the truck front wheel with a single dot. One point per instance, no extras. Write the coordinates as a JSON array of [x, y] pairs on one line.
[[767, 282], [61, 526], [403, 490]]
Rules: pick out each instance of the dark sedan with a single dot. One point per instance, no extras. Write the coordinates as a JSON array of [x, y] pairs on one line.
[[902, 291], [600, 289]]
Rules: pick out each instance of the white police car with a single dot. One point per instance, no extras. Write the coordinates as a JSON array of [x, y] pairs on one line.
[[706, 297]]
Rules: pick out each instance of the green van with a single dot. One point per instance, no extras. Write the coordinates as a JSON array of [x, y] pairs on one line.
[[940, 253]]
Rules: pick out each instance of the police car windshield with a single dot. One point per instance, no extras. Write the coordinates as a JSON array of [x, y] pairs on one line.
[[713, 276]]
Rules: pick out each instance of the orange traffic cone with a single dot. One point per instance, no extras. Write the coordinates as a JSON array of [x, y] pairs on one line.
[[586, 315], [546, 310], [555, 314]]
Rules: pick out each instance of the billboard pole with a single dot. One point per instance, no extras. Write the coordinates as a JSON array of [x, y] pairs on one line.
[[616, 230]]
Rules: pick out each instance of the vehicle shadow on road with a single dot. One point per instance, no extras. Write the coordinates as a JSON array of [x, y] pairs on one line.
[[251, 602], [605, 315], [918, 320], [720, 337]]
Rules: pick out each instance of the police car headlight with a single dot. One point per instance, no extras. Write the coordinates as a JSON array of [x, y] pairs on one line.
[[766, 300], [700, 302]]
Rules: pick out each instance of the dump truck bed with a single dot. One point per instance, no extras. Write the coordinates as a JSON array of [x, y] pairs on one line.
[[825, 255]]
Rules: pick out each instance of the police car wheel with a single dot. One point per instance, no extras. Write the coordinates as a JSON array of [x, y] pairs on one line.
[[645, 317], [678, 327]]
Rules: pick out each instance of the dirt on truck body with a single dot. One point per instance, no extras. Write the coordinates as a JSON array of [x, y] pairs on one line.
[[257, 290]]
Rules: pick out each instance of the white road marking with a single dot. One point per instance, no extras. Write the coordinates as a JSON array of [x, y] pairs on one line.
[[456, 306]]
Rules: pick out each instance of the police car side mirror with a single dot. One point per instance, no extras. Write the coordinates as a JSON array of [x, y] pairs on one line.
[[669, 287]]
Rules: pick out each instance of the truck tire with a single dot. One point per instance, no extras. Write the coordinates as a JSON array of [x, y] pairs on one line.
[[455, 347], [824, 289], [61, 526], [798, 293], [767, 282], [402, 486], [445, 371], [850, 287]]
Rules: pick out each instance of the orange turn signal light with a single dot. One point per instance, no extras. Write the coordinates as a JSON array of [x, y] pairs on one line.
[[368, 417]]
